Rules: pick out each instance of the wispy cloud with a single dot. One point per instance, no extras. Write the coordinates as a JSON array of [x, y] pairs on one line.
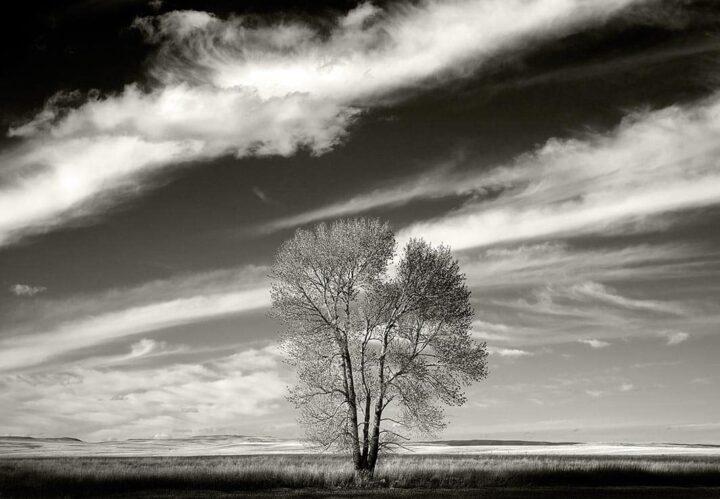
[[541, 264], [439, 182], [49, 329], [564, 301], [596, 394], [653, 164], [517, 314], [593, 343], [512, 353], [232, 87], [595, 291], [676, 337], [369, 52], [26, 289], [627, 180], [142, 350], [263, 196], [550, 293], [701, 381], [626, 62], [623, 388], [183, 398]]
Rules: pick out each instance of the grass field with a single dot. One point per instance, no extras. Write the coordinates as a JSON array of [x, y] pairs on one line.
[[298, 475]]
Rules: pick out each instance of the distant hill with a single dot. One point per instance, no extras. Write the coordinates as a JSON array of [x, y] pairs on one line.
[[45, 439], [461, 443]]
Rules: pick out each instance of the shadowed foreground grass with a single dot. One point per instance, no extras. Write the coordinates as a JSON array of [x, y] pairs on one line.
[[97, 476]]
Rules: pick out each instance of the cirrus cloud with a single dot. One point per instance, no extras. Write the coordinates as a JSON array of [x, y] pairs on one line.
[[49, 329], [653, 164], [26, 289], [231, 87], [593, 343], [676, 337], [182, 398]]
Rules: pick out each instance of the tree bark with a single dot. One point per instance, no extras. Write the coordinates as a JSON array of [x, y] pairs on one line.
[[352, 407], [375, 440], [366, 429]]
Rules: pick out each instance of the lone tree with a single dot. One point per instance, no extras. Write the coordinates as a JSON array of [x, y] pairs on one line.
[[377, 352]]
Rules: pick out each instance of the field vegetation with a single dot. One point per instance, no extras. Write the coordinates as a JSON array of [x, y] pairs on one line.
[[99, 476]]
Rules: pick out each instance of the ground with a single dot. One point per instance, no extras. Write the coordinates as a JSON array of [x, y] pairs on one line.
[[303, 475]]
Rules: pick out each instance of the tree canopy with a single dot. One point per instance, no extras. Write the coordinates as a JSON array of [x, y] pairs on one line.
[[379, 345]]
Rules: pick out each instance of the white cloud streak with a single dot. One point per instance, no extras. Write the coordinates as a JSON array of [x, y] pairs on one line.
[[182, 398], [596, 344], [632, 179], [26, 289], [144, 349], [369, 52], [512, 353], [540, 264], [549, 293], [559, 313], [598, 292], [232, 87], [53, 328], [653, 164], [676, 337]]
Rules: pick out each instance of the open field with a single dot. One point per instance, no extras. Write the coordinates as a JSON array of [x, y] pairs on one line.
[[301, 475], [238, 445]]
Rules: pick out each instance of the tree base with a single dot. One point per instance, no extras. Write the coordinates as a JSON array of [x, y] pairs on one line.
[[364, 477]]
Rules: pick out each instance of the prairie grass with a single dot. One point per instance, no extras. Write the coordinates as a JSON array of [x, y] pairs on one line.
[[93, 476]]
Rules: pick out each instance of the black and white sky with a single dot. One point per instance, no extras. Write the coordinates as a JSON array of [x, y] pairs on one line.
[[155, 154]]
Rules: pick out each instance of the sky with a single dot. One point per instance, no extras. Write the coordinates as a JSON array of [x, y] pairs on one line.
[[154, 155]]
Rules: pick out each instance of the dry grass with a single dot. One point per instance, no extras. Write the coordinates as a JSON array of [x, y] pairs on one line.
[[93, 476]]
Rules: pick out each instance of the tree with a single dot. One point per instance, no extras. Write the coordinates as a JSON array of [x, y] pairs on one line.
[[377, 352]]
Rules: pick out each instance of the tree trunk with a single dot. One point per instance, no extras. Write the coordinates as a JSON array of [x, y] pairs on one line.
[[366, 429], [352, 408], [363, 475], [375, 440]]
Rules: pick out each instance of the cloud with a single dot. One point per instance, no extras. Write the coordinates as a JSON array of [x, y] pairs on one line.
[[595, 291], [524, 265], [593, 343], [631, 179], [55, 176], [438, 182], [524, 317], [625, 62], [251, 87], [144, 347], [262, 196], [676, 337], [625, 387], [368, 52], [512, 353], [571, 302], [142, 350], [543, 294], [26, 290], [653, 164], [27, 350], [596, 394], [49, 329], [701, 381], [180, 398]]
